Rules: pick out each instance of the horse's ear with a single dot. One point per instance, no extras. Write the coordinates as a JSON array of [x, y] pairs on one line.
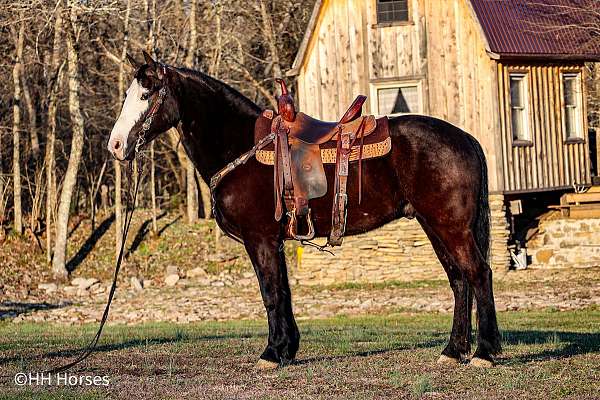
[[149, 60], [133, 62]]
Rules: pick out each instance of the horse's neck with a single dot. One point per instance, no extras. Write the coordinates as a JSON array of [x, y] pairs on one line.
[[215, 130]]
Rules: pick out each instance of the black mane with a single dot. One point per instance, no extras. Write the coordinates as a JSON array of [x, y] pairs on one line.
[[236, 99]]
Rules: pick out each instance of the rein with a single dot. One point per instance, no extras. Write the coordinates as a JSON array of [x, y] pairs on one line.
[[130, 207]]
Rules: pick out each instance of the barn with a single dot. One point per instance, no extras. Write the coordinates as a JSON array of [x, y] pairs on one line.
[[510, 72]]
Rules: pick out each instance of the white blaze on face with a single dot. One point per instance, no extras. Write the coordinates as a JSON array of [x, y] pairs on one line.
[[133, 108]]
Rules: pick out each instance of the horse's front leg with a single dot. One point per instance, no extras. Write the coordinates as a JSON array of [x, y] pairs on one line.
[[268, 258]]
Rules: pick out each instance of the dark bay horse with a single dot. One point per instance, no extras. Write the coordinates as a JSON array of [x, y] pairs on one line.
[[435, 172]]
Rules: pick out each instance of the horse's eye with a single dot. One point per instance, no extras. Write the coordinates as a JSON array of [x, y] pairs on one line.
[[145, 96]]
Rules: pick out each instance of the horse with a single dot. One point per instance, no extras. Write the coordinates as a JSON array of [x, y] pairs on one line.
[[435, 173]]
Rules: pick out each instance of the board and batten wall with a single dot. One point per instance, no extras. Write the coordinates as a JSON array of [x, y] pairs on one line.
[[549, 161], [461, 76], [349, 50]]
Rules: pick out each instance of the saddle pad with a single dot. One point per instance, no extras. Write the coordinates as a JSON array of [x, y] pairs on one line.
[[377, 144]]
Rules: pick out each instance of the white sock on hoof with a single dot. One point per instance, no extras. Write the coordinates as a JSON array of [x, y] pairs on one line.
[[481, 363], [264, 365], [444, 359]]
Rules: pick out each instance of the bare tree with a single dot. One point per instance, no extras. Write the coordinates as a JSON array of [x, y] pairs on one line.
[[53, 87], [59, 261], [117, 164], [191, 188], [17, 72]]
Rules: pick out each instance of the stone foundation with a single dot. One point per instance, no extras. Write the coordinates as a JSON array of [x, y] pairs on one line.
[[398, 251], [562, 242]]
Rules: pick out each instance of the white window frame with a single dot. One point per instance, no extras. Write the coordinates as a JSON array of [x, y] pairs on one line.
[[375, 86], [578, 106], [524, 78]]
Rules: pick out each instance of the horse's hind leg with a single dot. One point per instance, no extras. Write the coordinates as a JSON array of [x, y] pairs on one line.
[[459, 345], [462, 247], [268, 258]]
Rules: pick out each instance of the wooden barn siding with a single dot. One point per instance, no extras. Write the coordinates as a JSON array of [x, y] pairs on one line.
[[349, 51], [462, 84], [550, 162]]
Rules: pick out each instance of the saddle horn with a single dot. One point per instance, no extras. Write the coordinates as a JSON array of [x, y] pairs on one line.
[[285, 103]]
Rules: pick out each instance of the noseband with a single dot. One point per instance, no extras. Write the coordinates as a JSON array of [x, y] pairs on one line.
[[141, 140]]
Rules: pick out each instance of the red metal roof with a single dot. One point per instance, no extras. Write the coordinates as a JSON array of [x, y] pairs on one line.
[[546, 29]]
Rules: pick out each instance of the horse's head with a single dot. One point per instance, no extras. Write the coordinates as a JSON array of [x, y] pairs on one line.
[[148, 110]]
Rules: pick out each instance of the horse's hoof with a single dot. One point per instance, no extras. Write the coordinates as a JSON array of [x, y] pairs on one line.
[[445, 360], [481, 363], [264, 365]]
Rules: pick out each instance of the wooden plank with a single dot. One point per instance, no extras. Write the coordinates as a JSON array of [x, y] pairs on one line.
[[343, 84], [536, 170], [586, 147], [513, 168], [541, 127], [543, 145], [366, 54], [581, 197], [503, 126], [558, 173], [355, 30]]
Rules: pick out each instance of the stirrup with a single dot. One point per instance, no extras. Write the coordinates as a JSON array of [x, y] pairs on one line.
[[293, 226]]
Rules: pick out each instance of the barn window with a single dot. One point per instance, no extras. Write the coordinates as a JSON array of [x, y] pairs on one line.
[[519, 99], [397, 98], [392, 11], [572, 107]]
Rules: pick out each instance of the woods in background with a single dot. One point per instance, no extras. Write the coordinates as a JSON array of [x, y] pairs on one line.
[[67, 62]]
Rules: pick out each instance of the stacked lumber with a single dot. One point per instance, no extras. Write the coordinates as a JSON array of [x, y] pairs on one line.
[[580, 205]]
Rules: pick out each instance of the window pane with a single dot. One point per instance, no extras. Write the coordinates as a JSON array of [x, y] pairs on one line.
[[572, 102], [392, 10], [398, 100], [517, 125], [518, 106], [569, 88], [571, 122], [516, 95]]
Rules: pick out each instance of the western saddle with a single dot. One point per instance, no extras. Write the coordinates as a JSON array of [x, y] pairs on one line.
[[302, 145]]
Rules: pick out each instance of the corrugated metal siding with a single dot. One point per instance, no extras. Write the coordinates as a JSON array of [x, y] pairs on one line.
[[553, 28], [551, 161]]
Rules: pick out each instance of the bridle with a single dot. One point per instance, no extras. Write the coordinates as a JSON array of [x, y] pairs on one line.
[[141, 139]]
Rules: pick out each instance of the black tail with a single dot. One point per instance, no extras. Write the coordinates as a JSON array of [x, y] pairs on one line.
[[482, 223]]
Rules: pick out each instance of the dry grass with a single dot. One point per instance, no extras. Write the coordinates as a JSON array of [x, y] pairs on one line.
[[547, 355]]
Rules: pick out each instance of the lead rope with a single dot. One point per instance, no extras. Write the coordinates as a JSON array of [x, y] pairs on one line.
[[131, 199]]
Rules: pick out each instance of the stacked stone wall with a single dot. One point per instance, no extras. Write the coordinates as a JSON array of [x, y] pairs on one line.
[[398, 251], [562, 242]]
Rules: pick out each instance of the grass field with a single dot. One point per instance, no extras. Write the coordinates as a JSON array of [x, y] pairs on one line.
[[546, 355]]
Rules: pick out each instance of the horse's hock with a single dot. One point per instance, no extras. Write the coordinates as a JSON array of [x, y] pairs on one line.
[[399, 250]]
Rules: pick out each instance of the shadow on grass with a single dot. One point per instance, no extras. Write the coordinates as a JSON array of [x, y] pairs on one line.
[[10, 309], [128, 344], [89, 244], [567, 344], [141, 234], [164, 228]]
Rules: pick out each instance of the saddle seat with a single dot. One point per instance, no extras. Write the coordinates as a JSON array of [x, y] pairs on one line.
[[314, 131]]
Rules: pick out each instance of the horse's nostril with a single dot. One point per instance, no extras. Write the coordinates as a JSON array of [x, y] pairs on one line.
[[117, 144]]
